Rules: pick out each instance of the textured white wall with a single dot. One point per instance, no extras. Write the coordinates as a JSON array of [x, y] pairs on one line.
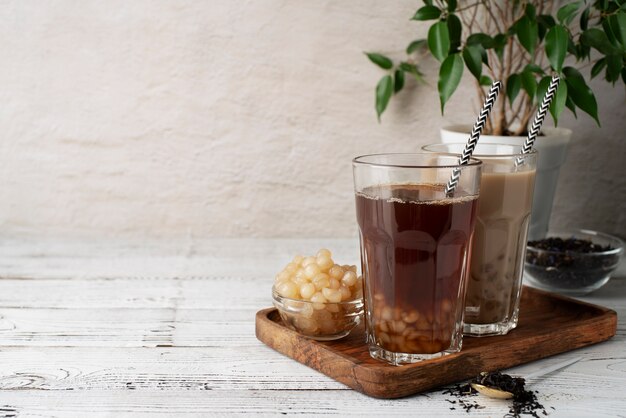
[[183, 119]]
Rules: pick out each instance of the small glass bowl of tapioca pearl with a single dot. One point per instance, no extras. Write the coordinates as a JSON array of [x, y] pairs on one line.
[[319, 298]]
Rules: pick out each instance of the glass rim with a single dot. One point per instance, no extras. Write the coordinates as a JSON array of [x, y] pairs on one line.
[[532, 152], [277, 297], [474, 162]]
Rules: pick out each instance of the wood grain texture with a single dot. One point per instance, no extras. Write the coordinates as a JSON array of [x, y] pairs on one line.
[[549, 325], [76, 338]]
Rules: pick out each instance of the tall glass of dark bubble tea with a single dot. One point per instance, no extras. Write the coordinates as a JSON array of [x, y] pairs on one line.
[[415, 249]]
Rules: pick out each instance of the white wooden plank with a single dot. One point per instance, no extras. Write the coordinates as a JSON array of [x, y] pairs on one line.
[[270, 403], [50, 259], [243, 368], [126, 327]]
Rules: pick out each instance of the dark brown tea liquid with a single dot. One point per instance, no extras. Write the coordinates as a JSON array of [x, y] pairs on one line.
[[414, 249]]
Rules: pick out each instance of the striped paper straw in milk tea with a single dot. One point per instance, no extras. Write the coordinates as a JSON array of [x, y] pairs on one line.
[[540, 116], [473, 139]]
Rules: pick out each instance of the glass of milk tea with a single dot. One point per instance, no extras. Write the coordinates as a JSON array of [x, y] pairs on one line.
[[499, 243]]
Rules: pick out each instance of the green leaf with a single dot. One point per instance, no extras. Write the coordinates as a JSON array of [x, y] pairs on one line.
[[527, 33], [473, 60], [567, 13], [624, 75], [542, 87], [412, 69], [606, 25], [428, 2], [439, 40], [556, 46], [581, 94], [597, 39], [570, 105], [480, 39], [598, 67], [454, 31], [584, 18], [558, 103], [618, 25], [485, 81], [529, 84], [380, 60], [427, 13], [499, 42], [415, 45], [398, 80], [544, 22], [449, 77], [451, 5], [534, 68], [531, 12], [613, 67], [513, 86], [384, 90]]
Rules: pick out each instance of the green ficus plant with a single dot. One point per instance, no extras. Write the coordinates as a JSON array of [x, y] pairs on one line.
[[520, 43]]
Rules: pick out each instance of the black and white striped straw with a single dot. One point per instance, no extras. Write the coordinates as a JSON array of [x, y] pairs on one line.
[[541, 114], [473, 139]]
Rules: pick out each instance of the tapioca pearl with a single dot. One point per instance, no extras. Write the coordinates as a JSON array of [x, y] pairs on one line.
[[323, 314], [297, 260], [283, 276], [346, 294], [397, 314], [336, 272], [321, 281], [397, 327], [358, 294], [349, 279], [382, 325], [387, 313], [291, 268], [306, 324], [307, 310], [299, 274], [300, 280], [334, 284], [311, 270], [307, 290], [328, 326], [325, 263], [332, 295], [324, 253], [332, 307], [384, 338], [319, 301], [411, 316], [352, 268], [288, 290], [308, 260], [422, 324], [398, 340]]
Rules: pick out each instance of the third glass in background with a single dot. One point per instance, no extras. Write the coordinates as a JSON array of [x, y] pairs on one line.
[[497, 261]]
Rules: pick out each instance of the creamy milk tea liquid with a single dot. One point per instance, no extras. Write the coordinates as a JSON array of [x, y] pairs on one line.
[[498, 249]]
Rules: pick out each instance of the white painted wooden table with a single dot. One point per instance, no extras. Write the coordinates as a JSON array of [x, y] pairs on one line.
[[144, 329]]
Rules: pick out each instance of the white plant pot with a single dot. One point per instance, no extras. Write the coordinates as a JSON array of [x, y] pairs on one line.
[[552, 149]]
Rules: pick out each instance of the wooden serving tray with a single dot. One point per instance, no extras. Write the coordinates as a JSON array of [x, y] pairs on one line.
[[549, 324]]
